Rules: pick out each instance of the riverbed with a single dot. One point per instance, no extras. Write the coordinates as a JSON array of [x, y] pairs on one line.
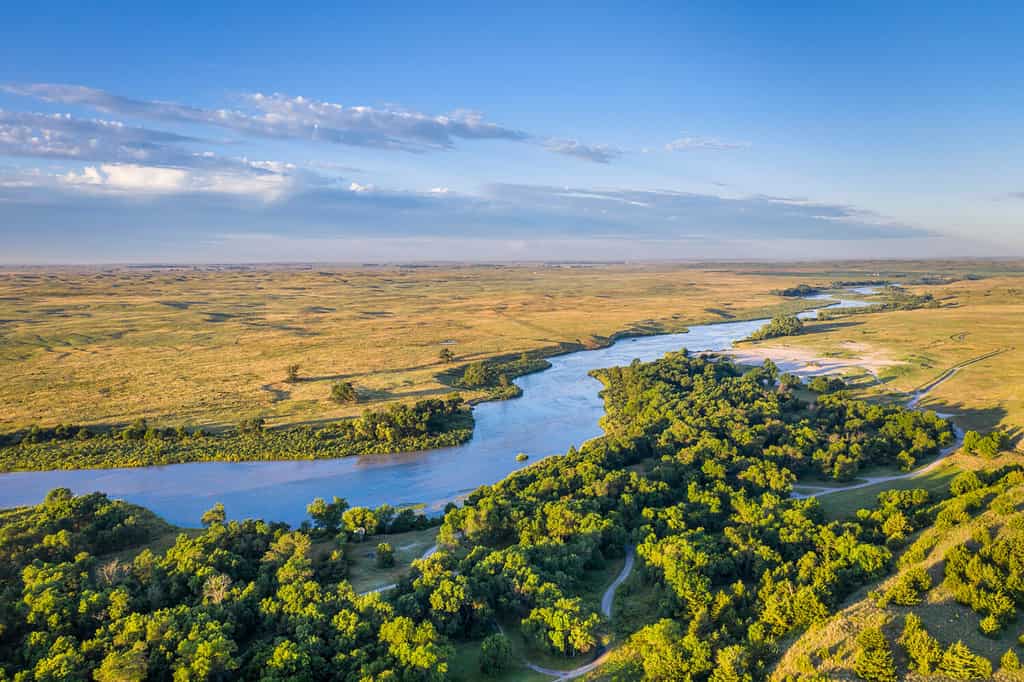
[[559, 408]]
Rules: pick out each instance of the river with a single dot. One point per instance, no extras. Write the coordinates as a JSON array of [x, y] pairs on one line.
[[559, 408]]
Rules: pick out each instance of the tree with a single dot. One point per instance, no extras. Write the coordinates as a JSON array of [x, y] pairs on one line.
[[252, 425], [446, 355], [924, 651], [292, 373], [385, 555], [874, 661], [495, 654], [669, 653], [327, 516], [360, 519], [475, 375], [960, 663], [964, 483], [216, 588], [126, 666], [417, 647], [781, 325], [343, 392], [214, 514], [562, 627], [826, 384]]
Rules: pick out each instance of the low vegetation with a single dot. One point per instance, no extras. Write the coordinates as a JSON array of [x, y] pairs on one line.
[[495, 376], [399, 428], [783, 325]]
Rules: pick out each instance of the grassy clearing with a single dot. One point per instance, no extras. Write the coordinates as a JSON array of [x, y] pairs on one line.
[[844, 504], [363, 572], [465, 666]]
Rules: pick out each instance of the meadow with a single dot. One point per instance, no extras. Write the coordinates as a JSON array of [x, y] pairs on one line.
[[210, 346]]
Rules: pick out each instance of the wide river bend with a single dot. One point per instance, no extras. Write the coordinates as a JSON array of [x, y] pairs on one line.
[[559, 408]]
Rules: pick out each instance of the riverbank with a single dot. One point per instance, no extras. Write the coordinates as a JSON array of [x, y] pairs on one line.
[[141, 445]]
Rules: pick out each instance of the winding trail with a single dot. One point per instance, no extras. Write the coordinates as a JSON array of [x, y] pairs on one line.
[[912, 403], [607, 600]]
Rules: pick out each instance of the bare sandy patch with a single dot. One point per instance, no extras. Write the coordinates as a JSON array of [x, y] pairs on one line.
[[807, 362]]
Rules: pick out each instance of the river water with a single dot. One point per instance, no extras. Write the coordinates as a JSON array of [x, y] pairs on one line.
[[559, 408]]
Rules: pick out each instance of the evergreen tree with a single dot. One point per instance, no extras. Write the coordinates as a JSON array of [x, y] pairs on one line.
[[960, 663], [874, 661]]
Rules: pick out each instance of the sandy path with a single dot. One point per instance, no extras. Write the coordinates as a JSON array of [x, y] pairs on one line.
[[607, 599]]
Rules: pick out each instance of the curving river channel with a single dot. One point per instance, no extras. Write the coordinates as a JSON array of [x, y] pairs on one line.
[[559, 408]]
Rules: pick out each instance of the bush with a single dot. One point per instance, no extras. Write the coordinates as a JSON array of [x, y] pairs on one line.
[[907, 589], [874, 661], [960, 663], [924, 651], [385, 555], [782, 325], [826, 384], [988, 446], [495, 655], [343, 392], [252, 425], [964, 483]]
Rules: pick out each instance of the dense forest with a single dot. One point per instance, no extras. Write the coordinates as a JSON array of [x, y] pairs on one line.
[[695, 471], [427, 424]]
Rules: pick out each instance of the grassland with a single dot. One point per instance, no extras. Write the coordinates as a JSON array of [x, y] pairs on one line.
[[210, 346]]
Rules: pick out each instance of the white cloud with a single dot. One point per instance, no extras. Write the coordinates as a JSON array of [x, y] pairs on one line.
[[689, 143], [598, 153], [139, 180], [282, 116]]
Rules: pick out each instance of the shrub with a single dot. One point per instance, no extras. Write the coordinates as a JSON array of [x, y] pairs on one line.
[[922, 649], [495, 654], [781, 325], [343, 392], [964, 483], [874, 661], [385, 555], [960, 663]]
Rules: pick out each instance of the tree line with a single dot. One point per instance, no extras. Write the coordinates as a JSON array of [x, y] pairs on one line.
[[427, 424]]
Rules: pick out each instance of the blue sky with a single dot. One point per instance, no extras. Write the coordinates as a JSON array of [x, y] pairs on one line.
[[398, 131]]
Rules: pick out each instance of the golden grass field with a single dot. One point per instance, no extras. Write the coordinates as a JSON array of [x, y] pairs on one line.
[[209, 346]]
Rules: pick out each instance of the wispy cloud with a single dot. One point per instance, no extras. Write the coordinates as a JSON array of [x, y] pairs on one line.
[[284, 117], [281, 116], [65, 137], [598, 153], [692, 142]]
